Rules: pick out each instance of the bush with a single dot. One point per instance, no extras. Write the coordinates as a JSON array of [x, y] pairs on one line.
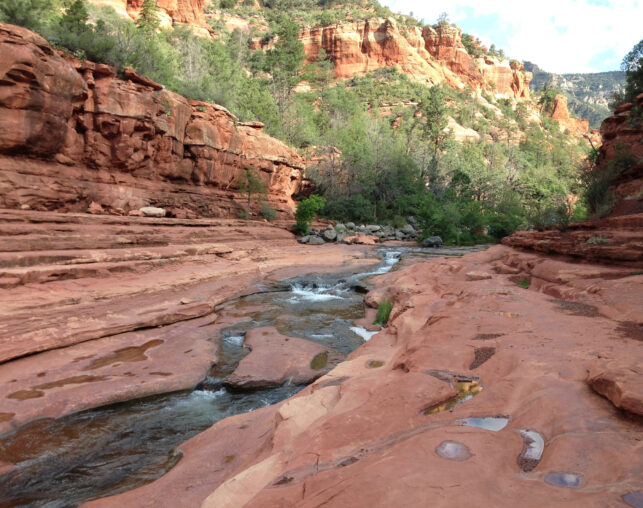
[[268, 212], [383, 312], [306, 211]]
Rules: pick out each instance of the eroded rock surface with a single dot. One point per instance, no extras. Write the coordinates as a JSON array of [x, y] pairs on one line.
[[364, 436], [276, 359], [429, 55], [72, 134], [97, 309]]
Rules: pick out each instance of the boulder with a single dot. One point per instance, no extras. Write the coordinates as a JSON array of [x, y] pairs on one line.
[[350, 225], [361, 239], [340, 227], [409, 230], [152, 211], [304, 239], [471, 276], [373, 228], [330, 235], [315, 240], [432, 242]]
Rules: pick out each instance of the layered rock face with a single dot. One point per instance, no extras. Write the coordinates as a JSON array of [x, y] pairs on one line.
[[623, 145], [71, 132], [429, 55], [171, 11], [560, 113]]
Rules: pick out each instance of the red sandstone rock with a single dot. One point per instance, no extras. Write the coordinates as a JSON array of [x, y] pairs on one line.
[[276, 359], [560, 113], [430, 55], [620, 383], [361, 435], [86, 135], [361, 239]]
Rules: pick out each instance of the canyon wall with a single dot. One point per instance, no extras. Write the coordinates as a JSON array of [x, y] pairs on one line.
[[623, 145], [429, 55], [72, 133], [170, 11], [617, 238]]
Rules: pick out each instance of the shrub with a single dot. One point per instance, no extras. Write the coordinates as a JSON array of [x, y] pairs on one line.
[[523, 283], [268, 212], [383, 312], [306, 211]]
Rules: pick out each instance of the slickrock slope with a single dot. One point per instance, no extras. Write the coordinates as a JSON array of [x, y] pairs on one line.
[[429, 55], [100, 309], [374, 432], [72, 133]]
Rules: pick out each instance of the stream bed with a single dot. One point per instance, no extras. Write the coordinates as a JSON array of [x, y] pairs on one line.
[[107, 450]]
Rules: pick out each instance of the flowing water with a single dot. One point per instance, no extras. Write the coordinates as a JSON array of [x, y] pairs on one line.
[[104, 451]]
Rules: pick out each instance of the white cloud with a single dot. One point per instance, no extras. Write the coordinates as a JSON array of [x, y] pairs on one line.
[[558, 35]]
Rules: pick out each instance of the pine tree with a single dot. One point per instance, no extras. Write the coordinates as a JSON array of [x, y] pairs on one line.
[[148, 19], [75, 18]]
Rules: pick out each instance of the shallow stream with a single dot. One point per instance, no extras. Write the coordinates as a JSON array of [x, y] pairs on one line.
[[104, 451]]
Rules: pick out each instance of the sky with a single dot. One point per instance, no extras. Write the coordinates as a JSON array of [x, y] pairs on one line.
[[561, 36]]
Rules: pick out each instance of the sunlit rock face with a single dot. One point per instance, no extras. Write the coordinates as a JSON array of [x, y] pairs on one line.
[[72, 133]]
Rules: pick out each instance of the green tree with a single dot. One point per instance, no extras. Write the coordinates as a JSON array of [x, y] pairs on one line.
[[75, 18], [27, 13], [251, 184], [148, 17], [434, 114], [633, 66], [306, 211], [285, 61]]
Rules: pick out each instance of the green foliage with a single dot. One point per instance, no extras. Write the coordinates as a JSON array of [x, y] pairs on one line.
[[28, 13], [148, 17], [251, 184], [598, 240], [632, 65], [268, 213], [546, 99], [306, 211], [597, 182], [523, 283], [383, 312]]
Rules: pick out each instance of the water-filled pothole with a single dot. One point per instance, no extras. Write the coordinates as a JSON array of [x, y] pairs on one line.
[[569, 480], [453, 450], [493, 423]]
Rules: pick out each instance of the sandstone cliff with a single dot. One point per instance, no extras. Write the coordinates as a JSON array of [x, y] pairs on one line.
[[560, 113], [429, 55], [72, 132], [170, 11]]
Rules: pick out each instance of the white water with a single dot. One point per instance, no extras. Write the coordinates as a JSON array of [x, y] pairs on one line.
[[313, 294], [363, 332], [235, 340]]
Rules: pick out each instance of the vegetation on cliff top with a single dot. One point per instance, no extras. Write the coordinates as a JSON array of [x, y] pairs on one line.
[[386, 145]]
